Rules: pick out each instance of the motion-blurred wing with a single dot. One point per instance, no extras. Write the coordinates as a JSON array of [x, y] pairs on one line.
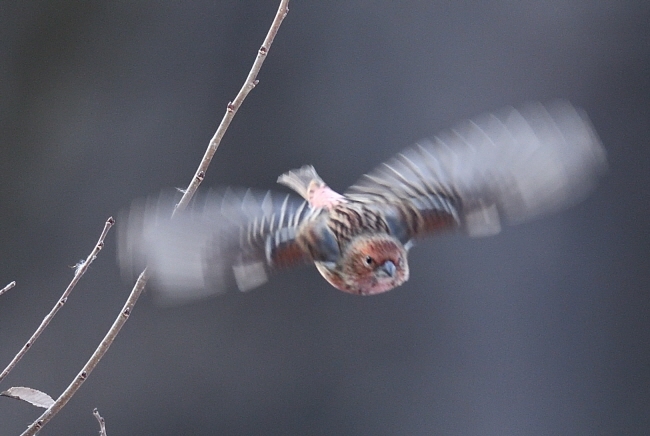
[[514, 164], [224, 238]]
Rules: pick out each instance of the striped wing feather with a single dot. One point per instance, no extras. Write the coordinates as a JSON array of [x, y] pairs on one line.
[[511, 165], [226, 237]]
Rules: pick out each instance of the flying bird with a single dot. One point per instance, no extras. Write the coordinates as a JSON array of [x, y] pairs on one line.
[[503, 167]]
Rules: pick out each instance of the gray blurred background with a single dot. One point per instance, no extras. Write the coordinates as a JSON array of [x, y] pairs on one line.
[[542, 330]]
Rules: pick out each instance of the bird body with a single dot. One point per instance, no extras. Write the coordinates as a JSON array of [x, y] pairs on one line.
[[508, 166], [350, 243]]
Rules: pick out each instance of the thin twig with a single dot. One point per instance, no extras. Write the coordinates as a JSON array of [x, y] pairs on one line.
[[119, 322], [6, 288], [234, 105], [79, 272], [102, 423]]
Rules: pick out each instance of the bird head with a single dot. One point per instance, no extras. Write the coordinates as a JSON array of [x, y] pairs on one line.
[[371, 264]]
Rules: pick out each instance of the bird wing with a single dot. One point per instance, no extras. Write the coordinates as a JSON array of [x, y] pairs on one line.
[[225, 237], [512, 165]]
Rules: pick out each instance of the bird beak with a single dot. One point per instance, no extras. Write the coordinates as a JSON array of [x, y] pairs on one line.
[[389, 268]]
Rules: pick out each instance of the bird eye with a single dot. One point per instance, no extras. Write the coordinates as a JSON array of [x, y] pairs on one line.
[[369, 260]]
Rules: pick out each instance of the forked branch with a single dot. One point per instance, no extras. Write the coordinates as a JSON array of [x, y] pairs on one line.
[[119, 322]]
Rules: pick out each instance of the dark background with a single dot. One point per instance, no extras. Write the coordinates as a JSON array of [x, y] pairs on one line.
[[542, 330]]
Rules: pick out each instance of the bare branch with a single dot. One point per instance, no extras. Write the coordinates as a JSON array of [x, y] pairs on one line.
[[6, 288], [79, 272], [119, 322], [102, 423], [233, 106]]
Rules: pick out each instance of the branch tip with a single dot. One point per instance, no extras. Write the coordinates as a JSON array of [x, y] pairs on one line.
[[101, 421], [6, 288]]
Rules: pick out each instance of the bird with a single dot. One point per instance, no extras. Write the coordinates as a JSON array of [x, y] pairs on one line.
[[502, 167]]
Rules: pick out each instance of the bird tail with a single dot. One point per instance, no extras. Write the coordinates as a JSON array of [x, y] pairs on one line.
[[306, 182], [301, 180]]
